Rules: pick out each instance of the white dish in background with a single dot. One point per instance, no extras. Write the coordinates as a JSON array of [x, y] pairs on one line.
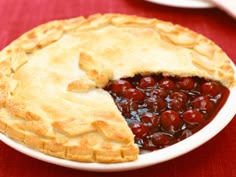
[[184, 3], [224, 116]]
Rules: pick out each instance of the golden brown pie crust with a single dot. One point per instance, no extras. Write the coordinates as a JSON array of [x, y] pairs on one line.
[[51, 80]]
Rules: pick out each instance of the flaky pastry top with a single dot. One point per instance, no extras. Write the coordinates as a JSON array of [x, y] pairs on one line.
[[52, 80]]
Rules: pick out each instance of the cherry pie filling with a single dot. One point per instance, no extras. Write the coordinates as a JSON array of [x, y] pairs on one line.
[[162, 111]]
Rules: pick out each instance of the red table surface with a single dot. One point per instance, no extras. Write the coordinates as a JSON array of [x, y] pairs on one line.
[[216, 158]]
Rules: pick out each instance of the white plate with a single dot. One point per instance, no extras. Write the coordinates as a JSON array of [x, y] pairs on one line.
[[184, 3], [224, 116]]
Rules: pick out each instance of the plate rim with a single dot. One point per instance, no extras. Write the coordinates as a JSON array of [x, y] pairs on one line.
[[183, 3]]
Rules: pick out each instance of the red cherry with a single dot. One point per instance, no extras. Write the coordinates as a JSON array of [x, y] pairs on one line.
[[179, 96], [202, 103], [170, 121], [147, 144], [178, 101], [167, 84], [193, 117], [186, 83], [155, 104], [147, 82], [119, 86], [134, 94], [177, 104], [139, 129], [210, 88], [150, 119], [161, 139], [127, 106], [123, 106], [159, 93]]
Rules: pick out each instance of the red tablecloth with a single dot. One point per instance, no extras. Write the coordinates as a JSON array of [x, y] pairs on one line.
[[216, 158]]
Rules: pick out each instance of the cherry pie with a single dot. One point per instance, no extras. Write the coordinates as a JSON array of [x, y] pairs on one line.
[[101, 88]]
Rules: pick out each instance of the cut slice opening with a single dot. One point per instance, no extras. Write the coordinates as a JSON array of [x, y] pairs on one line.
[[163, 110]]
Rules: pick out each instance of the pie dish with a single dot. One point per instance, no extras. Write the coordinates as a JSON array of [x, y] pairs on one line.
[[53, 77]]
